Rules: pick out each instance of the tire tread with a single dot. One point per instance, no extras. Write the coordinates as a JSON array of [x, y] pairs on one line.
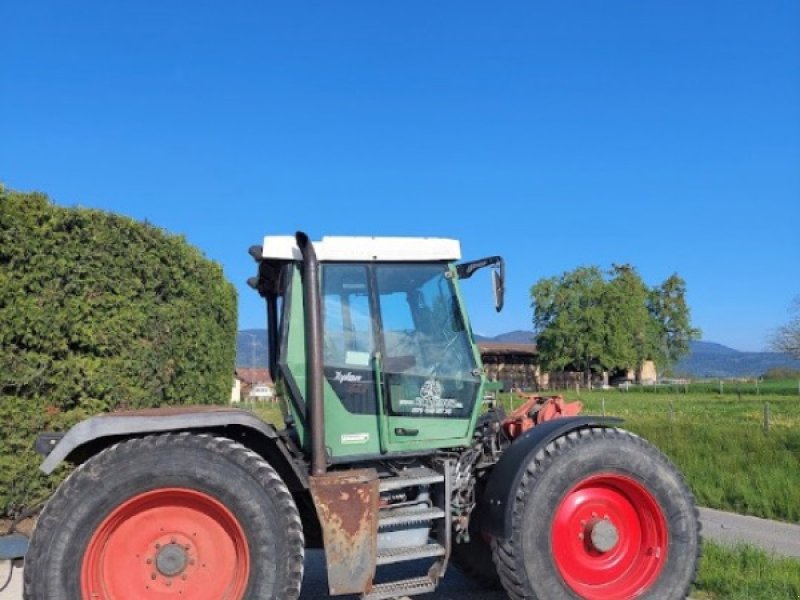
[[507, 553], [88, 473]]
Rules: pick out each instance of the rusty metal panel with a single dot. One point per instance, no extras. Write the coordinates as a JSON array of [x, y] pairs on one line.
[[347, 506]]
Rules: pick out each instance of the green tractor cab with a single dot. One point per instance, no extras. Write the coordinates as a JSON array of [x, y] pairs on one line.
[[400, 370]]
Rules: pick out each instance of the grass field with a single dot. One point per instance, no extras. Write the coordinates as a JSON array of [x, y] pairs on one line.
[[745, 573]]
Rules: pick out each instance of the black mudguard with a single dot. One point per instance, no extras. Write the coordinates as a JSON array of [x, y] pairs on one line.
[[97, 432], [496, 502]]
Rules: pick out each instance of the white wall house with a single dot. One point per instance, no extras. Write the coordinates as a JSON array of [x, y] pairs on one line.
[[261, 392], [253, 385], [236, 392]]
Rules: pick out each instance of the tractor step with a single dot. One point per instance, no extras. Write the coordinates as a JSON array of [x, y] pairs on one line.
[[411, 477], [403, 516], [395, 555], [404, 587]]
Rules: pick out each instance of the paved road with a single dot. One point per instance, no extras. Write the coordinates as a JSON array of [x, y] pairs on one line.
[[773, 536], [315, 583], [726, 528], [14, 589], [454, 587]]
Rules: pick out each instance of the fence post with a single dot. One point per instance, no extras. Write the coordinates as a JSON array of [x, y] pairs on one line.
[[766, 417], [604, 406], [721, 387]]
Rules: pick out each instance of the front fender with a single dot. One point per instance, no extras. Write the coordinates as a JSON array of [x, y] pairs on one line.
[[137, 422], [496, 502]]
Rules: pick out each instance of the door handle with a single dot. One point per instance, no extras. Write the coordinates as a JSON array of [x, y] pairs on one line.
[[405, 431]]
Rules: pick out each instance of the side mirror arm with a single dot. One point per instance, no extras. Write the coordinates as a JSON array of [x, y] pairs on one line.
[[468, 269]]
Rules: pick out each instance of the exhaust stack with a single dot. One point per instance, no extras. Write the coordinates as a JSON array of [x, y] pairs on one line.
[[314, 381]]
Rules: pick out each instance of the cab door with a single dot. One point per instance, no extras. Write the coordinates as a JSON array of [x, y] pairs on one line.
[[428, 367], [351, 410]]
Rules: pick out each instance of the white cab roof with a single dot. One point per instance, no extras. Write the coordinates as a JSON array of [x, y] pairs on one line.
[[363, 249]]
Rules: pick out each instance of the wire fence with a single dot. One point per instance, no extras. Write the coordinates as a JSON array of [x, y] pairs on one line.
[[719, 387]]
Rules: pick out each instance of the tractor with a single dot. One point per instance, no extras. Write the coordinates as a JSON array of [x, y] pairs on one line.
[[388, 455]]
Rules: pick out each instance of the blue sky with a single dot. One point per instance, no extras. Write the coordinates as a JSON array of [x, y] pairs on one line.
[[664, 134]]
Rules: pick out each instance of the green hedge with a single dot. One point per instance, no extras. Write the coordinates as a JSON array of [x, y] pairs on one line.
[[99, 312]]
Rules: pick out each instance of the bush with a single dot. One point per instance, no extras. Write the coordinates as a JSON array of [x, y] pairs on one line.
[[782, 373], [99, 312]]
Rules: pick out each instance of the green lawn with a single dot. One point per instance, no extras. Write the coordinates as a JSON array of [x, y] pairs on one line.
[[270, 412], [744, 573]]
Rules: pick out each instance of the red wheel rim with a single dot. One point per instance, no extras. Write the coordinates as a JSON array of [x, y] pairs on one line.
[[170, 543], [609, 538]]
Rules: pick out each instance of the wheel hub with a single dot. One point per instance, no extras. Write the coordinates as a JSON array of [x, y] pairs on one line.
[[171, 560], [603, 535], [609, 538]]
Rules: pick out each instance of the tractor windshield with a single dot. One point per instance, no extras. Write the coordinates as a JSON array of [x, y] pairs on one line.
[[411, 315]]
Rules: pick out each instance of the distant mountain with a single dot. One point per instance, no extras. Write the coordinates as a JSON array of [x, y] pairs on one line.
[[711, 348], [518, 336], [251, 348], [705, 359]]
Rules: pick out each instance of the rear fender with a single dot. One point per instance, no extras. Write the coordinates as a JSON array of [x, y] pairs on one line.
[[497, 501], [93, 435]]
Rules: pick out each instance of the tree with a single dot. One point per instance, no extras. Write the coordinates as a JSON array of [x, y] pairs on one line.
[[594, 320], [99, 312], [787, 337], [673, 328], [569, 319]]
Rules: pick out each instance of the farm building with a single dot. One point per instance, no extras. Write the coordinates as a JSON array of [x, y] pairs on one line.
[[515, 366], [512, 364]]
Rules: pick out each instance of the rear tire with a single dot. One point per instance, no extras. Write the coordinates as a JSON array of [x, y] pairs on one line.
[[474, 559], [183, 515], [600, 514]]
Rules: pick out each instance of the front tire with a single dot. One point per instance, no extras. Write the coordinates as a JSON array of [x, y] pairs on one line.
[[168, 516], [600, 514]]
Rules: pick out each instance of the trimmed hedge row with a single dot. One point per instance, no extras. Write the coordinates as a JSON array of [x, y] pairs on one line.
[[99, 312]]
